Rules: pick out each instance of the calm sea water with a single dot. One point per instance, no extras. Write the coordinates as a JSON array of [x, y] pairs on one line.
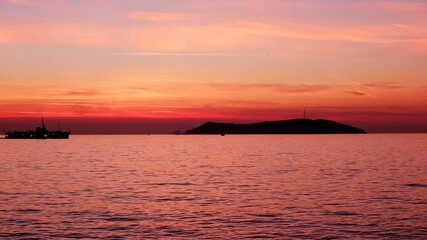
[[202, 187]]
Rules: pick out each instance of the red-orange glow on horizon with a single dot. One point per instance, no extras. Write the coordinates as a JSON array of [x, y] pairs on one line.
[[247, 60]]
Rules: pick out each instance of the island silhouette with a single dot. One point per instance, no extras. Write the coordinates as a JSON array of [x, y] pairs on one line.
[[292, 126]]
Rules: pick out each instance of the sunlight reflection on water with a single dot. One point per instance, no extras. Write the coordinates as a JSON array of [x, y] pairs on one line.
[[278, 186]]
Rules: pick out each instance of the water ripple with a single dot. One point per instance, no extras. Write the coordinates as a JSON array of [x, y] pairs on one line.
[[205, 187]]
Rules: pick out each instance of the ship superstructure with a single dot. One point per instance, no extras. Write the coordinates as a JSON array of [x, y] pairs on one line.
[[38, 133]]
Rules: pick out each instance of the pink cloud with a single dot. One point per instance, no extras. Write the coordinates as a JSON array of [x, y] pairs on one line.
[[159, 17], [56, 34], [23, 2], [213, 35]]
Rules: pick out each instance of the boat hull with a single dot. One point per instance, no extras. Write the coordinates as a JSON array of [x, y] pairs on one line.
[[35, 135]]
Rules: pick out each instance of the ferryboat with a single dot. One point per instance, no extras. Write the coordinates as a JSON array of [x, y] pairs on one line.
[[38, 133]]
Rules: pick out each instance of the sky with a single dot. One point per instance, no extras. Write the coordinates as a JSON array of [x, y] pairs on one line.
[[104, 66]]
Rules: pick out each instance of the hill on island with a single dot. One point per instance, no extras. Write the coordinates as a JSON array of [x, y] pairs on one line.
[[293, 126]]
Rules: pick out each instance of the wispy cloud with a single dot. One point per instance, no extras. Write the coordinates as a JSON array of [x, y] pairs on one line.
[[383, 85], [160, 16], [140, 88], [400, 25], [213, 35], [221, 54], [360, 93], [31, 3], [82, 92], [22, 2], [287, 88]]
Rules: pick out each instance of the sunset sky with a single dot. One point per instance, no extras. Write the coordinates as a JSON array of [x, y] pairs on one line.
[[176, 63]]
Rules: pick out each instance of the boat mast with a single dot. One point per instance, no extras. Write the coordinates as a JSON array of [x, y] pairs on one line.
[[43, 123]]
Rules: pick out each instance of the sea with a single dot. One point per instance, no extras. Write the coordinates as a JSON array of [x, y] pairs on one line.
[[370, 186]]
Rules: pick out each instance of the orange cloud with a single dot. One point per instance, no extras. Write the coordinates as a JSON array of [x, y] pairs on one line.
[[85, 92], [3, 36], [373, 33], [286, 88], [55, 34], [358, 93], [384, 85], [243, 36]]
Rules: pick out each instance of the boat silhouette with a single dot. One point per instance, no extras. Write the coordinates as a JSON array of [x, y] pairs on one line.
[[38, 133]]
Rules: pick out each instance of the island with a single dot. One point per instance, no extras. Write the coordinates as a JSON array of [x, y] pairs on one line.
[[292, 126]]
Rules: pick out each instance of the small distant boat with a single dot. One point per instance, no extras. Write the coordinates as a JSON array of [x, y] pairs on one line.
[[39, 133], [222, 134]]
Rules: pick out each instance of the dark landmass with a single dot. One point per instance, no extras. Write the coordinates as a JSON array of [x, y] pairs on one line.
[[293, 126]]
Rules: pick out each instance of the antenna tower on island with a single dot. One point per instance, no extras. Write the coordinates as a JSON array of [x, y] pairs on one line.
[[305, 116]]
